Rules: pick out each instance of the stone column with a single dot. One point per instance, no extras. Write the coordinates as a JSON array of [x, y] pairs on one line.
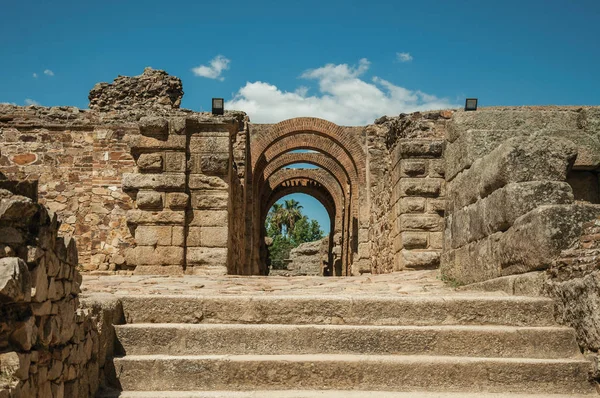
[[159, 190], [209, 190]]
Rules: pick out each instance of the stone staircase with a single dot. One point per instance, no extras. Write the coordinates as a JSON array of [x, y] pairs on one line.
[[341, 346]]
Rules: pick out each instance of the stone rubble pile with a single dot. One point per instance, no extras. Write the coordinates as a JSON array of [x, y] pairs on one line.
[[48, 345], [154, 89]]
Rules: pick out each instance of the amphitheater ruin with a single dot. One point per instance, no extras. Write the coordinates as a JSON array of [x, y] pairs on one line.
[[463, 258]]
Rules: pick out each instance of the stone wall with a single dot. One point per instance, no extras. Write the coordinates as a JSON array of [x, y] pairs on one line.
[[407, 191], [309, 258], [181, 194], [49, 345], [91, 165], [573, 281], [510, 209]]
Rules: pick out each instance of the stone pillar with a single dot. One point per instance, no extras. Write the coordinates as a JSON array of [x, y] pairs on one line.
[[418, 204], [207, 216], [159, 189]]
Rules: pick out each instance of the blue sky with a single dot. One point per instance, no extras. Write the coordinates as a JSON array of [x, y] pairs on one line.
[[347, 61]]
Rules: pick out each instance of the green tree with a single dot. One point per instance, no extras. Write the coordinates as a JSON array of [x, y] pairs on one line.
[[289, 228], [293, 213], [306, 230]]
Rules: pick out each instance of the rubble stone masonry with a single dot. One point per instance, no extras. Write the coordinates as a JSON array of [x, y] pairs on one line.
[[49, 344]]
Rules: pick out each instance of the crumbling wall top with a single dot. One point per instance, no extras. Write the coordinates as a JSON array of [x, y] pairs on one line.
[[153, 89]]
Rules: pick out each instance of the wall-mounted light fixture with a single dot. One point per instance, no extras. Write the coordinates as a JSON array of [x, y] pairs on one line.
[[471, 104], [218, 106]]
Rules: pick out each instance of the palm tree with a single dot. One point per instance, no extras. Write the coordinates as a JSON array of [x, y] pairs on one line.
[[278, 216], [293, 212]]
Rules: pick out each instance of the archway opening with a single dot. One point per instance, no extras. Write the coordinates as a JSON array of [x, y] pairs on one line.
[[297, 236]]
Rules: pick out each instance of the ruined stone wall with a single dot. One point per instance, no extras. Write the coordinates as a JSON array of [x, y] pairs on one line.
[[78, 159], [134, 168], [510, 208], [407, 191], [49, 346], [573, 281], [309, 258]]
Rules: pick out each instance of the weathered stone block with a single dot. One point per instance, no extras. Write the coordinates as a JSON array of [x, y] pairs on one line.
[[197, 181], [436, 240], [437, 168], [177, 200], [519, 159], [530, 245], [420, 187], [214, 164], [153, 125], [498, 211], [211, 145], [421, 222], [413, 167], [209, 218], [151, 235], [416, 259], [207, 256], [412, 205], [210, 200], [175, 161], [435, 205], [149, 200], [17, 209], [420, 148], [161, 182], [11, 236], [139, 217], [194, 237], [178, 236], [414, 240], [141, 142], [161, 255], [214, 236], [15, 281]]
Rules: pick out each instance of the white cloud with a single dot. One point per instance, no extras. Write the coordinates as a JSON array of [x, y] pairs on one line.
[[8, 103], [404, 57], [35, 75], [344, 98], [29, 101], [217, 65], [48, 72]]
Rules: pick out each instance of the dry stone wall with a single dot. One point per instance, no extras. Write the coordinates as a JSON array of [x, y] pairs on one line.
[[48, 344], [510, 209]]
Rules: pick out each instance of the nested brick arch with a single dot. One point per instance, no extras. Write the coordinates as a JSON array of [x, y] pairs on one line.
[[340, 179], [305, 179], [314, 127], [323, 146], [311, 141], [321, 160], [313, 189]]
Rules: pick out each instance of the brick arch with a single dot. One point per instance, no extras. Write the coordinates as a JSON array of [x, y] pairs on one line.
[[305, 177], [318, 183], [310, 141], [321, 160], [315, 127], [323, 146], [313, 189], [341, 157]]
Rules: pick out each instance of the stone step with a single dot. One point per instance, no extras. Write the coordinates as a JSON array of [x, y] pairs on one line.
[[330, 309], [472, 341], [366, 372], [323, 394]]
